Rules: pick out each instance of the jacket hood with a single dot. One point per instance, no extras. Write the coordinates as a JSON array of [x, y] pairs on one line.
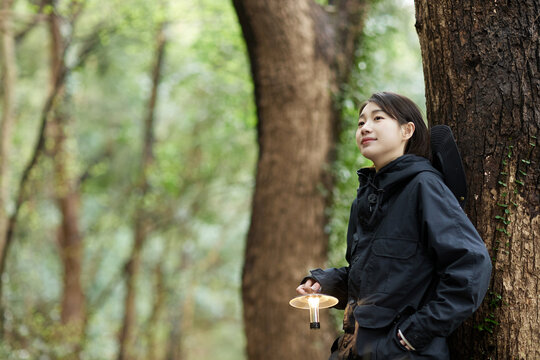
[[377, 186], [393, 173]]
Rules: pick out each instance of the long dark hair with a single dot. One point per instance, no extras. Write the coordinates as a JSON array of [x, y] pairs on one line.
[[404, 110]]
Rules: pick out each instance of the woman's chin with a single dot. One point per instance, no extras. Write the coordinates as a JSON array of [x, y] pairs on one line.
[[367, 154]]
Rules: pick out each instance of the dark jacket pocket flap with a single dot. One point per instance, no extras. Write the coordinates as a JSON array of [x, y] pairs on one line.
[[395, 248], [373, 316]]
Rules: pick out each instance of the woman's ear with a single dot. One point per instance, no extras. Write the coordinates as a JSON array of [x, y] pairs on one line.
[[407, 130]]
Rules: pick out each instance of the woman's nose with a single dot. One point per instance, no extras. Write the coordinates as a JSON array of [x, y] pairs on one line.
[[365, 129]]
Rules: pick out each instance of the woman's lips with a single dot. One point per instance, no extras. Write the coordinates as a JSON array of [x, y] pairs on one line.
[[366, 140]]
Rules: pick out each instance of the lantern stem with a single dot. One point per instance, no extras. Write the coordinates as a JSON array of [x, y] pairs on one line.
[[314, 322]]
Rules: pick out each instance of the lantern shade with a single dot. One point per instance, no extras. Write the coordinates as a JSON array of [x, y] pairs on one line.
[[302, 301]]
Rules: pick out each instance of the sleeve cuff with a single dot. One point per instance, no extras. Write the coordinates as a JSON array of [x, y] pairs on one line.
[[306, 279]]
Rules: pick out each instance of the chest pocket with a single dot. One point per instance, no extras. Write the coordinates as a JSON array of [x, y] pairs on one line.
[[390, 265], [395, 248]]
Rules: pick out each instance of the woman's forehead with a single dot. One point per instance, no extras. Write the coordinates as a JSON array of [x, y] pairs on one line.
[[370, 108]]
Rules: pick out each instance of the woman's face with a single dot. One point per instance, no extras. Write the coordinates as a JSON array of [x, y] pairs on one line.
[[380, 137]]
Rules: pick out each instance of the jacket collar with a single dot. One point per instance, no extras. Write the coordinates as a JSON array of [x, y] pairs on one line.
[[395, 172]]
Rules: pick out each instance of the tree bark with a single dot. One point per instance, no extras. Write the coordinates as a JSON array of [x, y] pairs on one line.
[[483, 79], [299, 55], [141, 225]]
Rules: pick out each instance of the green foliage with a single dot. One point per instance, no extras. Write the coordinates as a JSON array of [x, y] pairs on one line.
[[200, 181], [489, 323]]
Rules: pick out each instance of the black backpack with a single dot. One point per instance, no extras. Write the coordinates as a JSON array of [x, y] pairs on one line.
[[446, 159]]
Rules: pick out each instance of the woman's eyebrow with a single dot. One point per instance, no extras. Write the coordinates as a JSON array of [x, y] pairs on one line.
[[363, 116]]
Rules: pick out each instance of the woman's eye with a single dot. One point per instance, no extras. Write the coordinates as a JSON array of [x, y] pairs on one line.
[[378, 117], [361, 123]]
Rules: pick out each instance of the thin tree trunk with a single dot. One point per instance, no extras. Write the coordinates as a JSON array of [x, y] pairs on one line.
[[175, 348], [68, 200], [299, 56], [55, 94], [482, 78], [21, 196], [9, 69], [152, 332], [141, 224]]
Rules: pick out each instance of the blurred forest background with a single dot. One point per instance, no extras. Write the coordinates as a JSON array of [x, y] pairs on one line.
[[128, 157]]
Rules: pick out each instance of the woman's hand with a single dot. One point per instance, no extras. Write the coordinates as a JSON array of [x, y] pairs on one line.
[[407, 345], [309, 287]]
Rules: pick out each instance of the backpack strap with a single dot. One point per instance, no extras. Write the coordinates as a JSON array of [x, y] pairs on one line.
[[446, 159]]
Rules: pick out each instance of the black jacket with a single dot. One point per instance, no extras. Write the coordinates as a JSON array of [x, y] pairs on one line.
[[415, 262]]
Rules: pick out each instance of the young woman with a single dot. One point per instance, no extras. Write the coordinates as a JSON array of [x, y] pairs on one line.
[[417, 267]]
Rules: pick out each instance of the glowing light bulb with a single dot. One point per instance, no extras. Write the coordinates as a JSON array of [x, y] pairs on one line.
[[313, 302]]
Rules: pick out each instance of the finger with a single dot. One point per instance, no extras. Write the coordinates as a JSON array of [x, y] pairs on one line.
[[303, 290], [404, 345], [316, 287]]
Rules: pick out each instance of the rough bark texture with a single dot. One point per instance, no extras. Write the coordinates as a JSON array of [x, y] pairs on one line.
[[299, 54], [482, 75]]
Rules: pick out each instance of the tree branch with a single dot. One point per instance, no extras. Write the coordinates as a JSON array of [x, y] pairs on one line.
[[38, 150], [86, 174], [37, 18]]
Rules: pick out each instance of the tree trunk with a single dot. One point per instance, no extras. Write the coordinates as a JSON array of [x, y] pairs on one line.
[[154, 349], [299, 56], [68, 200], [482, 78], [9, 67], [21, 191], [141, 225]]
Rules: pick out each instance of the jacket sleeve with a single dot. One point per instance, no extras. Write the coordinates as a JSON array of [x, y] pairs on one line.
[[461, 260], [333, 282]]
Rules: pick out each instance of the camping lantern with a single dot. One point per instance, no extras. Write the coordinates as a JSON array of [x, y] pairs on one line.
[[313, 302]]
